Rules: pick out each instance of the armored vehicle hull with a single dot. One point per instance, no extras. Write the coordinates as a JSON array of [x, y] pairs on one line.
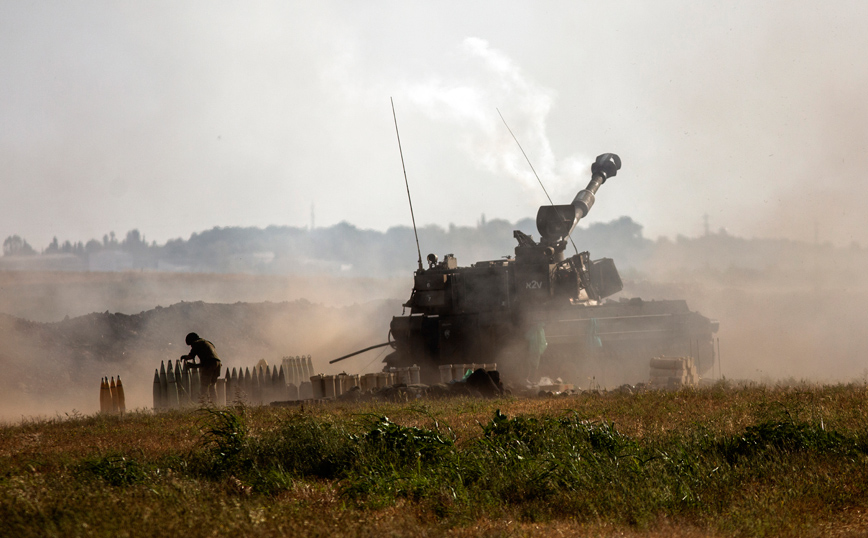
[[607, 344], [543, 314]]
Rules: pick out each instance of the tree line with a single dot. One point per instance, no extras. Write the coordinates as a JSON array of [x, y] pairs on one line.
[[348, 250]]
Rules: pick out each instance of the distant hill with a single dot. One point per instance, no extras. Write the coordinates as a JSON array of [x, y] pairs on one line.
[[342, 249], [345, 250]]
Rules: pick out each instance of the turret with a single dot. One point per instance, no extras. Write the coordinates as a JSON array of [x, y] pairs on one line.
[[555, 222], [542, 273]]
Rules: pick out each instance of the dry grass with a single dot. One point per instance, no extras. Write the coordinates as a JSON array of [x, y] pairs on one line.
[[68, 477]]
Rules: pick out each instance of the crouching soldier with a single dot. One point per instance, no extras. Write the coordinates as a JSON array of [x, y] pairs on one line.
[[209, 365]]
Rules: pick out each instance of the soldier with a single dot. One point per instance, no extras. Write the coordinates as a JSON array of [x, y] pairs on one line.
[[209, 363]]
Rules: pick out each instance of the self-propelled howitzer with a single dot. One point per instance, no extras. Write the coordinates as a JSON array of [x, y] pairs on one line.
[[483, 313]]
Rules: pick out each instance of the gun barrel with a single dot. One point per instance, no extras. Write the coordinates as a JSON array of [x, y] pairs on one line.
[[557, 221], [354, 353], [606, 166]]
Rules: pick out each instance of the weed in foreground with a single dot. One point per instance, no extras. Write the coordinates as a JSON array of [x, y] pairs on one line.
[[785, 436], [299, 447], [223, 440], [773, 469], [116, 469]]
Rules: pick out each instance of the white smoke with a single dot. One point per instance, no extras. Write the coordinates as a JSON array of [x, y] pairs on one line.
[[471, 100]]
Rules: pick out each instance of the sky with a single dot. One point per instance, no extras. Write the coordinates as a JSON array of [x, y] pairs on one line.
[[175, 117]]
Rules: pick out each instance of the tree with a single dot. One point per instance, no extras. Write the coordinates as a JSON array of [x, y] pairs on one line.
[[14, 245], [93, 246], [134, 241], [110, 241]]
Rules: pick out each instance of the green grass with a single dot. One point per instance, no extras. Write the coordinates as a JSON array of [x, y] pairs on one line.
[[727, 461]]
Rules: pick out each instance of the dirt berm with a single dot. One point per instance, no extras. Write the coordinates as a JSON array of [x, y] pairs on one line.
[[56, 367]]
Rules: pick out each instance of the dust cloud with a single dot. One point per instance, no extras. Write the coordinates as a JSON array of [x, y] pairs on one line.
[[788, 312], [53, 368], [50, 296]]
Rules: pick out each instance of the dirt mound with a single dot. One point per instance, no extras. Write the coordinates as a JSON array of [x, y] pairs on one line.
[[56, 367]]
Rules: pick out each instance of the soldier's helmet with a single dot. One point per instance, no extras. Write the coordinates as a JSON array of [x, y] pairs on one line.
[[192, 337]]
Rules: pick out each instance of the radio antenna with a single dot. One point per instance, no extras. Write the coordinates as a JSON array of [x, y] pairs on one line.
[[406, 183], [532, 170]]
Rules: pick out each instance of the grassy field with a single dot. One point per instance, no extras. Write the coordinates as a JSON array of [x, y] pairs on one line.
[[720, 461]]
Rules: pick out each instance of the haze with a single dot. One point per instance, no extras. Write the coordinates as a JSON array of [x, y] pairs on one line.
[[172, 118], [175, 117]]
